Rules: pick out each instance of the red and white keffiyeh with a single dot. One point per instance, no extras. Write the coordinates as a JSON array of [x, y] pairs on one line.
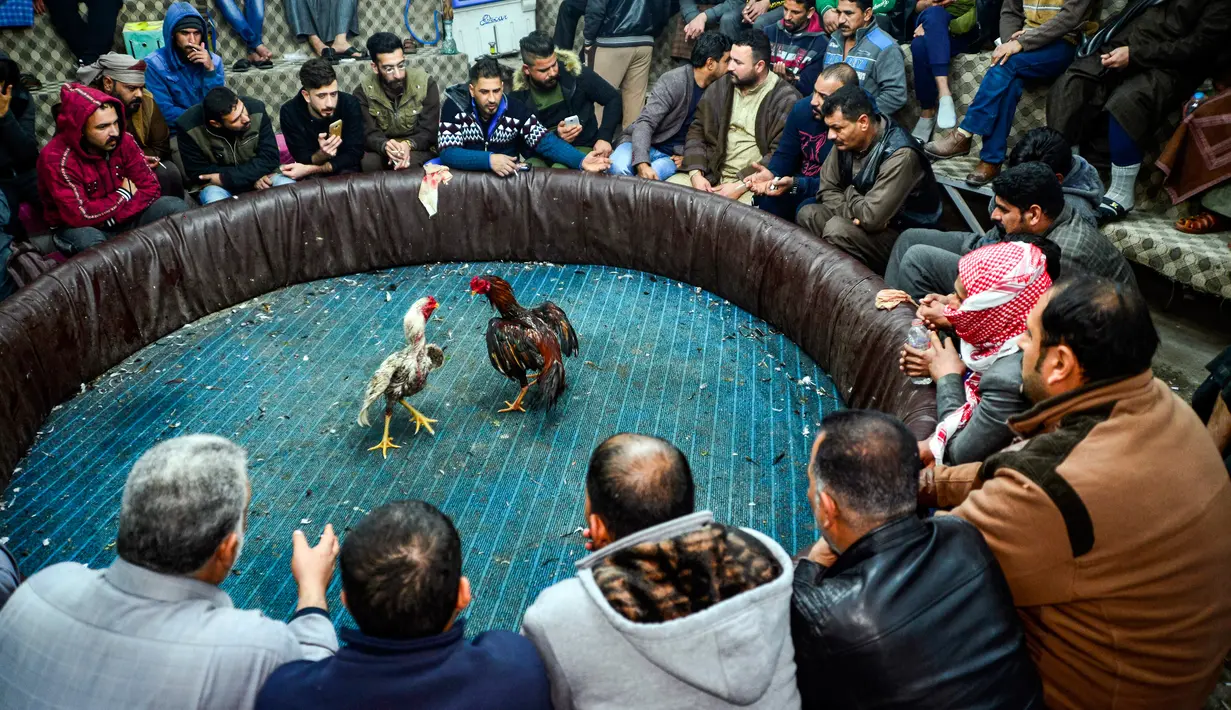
[[1003, 282]]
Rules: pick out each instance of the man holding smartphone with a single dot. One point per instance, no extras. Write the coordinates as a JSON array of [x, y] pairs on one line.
[[181, 73], [323, 126]]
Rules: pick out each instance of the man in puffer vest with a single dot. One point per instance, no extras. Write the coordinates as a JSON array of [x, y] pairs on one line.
[[401, 109], [877, 182], [871, 52]]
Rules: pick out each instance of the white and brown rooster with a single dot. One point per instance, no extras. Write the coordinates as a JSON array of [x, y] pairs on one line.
[[404, 373]]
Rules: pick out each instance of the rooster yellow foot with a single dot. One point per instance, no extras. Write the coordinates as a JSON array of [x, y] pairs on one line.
[[419, 419], [385, 443], [515, 405]]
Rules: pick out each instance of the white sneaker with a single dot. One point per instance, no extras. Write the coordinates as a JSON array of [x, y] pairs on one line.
[[946, 114], [923, 129]]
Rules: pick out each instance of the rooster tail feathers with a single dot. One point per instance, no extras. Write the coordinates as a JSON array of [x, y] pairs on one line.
[[551, 382]]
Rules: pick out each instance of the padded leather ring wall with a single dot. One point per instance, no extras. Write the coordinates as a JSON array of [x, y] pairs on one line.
[[88, 315]]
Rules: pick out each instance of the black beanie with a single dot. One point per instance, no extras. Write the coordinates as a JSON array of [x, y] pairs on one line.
[[190, 22]]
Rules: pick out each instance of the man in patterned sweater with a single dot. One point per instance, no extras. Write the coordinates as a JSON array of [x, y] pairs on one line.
[[486, 130]]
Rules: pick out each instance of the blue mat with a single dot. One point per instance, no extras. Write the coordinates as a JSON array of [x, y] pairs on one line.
[[284, 374]]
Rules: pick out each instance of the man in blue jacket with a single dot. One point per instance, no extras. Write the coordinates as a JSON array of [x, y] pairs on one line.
[[485, 130], [181, 73], [402, 582], [876, 57]]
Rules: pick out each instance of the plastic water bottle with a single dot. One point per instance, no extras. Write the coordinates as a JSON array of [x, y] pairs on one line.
[[919, 338], [1194, 102]]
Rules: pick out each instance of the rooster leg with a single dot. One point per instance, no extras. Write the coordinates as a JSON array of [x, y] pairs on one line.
[[419, 419], [386, 443], [515, 405]]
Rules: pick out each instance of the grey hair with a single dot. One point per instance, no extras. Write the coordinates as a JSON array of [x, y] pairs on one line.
[[181, 500]]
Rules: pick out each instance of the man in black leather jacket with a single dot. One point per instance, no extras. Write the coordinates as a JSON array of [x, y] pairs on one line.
[[620, 38], [890, 610]]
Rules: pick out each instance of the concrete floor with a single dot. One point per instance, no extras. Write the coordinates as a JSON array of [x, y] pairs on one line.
[[1192, 328]]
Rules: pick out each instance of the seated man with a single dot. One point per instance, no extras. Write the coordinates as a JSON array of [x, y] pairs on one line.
[[943, 30], [876, 183], [183, 70], [653, 146], [227, 143], [1038, 41], [19, 145], [402, 583], [401, 109], [323, 127], [890, 610], [1028, 201], [792, 178], [739, 122], [486, 130], [572, 93], [154, 629], [1079, 180], [1112, 519], [123, 77], [93, 179], [732, 17], [797, 44], [10, 575], [876, 57], [634, 628], [1139, 71]]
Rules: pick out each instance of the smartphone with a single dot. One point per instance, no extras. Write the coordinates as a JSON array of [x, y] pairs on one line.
[[572, 121], [335, 128]]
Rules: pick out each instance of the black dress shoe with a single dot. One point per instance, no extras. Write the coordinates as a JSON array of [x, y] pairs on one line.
[[330, 55]]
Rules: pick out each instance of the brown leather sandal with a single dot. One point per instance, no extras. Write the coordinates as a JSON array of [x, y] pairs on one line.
[[1203, 223]]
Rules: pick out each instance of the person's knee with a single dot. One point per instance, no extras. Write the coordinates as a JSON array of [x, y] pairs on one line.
[[622, 159], [280, 180], [730, 25], [212, 193], [170, 181], [165, 206], [78, 239]]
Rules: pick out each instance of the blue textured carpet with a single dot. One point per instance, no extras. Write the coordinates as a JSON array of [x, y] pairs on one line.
[[283, 375]]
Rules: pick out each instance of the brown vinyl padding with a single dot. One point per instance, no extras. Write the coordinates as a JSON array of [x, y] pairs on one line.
[[85, 317]]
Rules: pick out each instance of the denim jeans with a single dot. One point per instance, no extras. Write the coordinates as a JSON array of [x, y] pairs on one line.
[[991, 113], [213, 193], [622, 162], [248, 22], [932, 52]]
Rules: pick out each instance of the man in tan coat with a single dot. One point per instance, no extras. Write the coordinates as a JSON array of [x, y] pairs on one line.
[[1112, 519]]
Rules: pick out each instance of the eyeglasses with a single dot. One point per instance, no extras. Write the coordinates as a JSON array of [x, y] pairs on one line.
[[391, 69]]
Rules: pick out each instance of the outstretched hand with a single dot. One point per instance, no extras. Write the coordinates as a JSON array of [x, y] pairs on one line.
[[312, 567]]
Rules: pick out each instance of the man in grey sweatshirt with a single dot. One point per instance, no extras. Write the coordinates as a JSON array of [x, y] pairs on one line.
[[633, 629]]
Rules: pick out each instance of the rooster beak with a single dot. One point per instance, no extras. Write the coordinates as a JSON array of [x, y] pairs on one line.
[[473, 293]]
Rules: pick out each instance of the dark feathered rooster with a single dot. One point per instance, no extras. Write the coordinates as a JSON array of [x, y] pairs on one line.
[[524, 339], [404, 373]]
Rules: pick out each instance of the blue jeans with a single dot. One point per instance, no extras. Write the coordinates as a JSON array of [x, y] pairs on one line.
[[932, 52], [991, 113], [213, 193], [248, 22], [622, 162]]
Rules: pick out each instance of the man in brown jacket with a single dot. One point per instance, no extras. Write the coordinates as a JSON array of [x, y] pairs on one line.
[[1112, 519], [738, 122]]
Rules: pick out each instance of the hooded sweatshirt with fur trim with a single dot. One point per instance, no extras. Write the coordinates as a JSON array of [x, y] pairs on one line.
[[581, 89]]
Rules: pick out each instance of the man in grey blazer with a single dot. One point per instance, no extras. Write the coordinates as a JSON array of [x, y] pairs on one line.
[[153, 629], [653, 145]]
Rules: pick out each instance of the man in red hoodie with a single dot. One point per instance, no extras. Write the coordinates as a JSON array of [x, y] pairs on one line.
[[93, 178]]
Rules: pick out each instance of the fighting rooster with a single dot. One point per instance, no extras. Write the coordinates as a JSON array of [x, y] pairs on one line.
[[524, 339], [404, 373]]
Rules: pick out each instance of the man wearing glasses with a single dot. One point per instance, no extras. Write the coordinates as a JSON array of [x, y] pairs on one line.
[[401, 109]]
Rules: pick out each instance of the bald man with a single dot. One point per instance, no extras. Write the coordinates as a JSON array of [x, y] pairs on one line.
[[649, 552]]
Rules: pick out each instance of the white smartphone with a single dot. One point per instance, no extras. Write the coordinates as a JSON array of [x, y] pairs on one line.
[[572, 121]]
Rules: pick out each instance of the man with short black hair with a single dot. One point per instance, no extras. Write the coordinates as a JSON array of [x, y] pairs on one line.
[[401, 109], [308, 124], [1079, 180], [881, 590], [739, 122], [482, 129], [634, 629], [154, 629], [1028, 200], [652, 146], [875, 56], [566, 95], [402, 583], [875, 183], [1111, 517], [183, 70], [227, 144], [798, 43]]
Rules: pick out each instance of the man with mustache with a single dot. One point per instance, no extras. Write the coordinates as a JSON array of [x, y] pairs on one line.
[[798, 43], [182, 72], [93, 178], [401, 109]]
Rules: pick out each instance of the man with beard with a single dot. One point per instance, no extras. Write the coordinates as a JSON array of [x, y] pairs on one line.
[[183, 70], [123, 77], [797, 43], [738, 123], [792, 178], [876, 57], [555, 85], [483, 129], [227, 144], [93, 179], [309, 125], [875, 184], [401, 109]]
